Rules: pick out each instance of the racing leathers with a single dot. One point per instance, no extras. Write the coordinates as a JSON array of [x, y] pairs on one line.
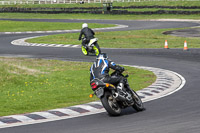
[[100, 69], [88, 34]]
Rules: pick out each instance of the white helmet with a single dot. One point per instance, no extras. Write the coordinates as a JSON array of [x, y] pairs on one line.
[[84, 25]]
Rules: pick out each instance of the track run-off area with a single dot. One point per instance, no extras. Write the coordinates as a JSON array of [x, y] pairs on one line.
[[178, 112]]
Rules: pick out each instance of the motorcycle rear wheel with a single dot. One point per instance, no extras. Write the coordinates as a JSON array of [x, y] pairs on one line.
[[138, 105], [111, 107], [84, 51]]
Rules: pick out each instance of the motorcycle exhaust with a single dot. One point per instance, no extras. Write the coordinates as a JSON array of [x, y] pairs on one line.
[[119, 97]]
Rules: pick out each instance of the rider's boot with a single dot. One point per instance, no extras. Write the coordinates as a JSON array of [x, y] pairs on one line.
[[84, 44]]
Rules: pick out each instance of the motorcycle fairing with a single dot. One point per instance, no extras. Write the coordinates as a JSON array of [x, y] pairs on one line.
[[92, 41]]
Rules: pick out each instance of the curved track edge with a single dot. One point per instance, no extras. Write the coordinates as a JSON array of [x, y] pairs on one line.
[[167, 83]]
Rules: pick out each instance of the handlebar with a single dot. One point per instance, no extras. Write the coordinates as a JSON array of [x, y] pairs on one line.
[[118, 72]]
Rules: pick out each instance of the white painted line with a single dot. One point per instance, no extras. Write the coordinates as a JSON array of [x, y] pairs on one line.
[[45, 114], [44, 45], [87, 107], [38, 32], [21, 118], [51, 45], [7, 32], [38, 44], [75, 46], [49, 31], [66, 45], [96, 102], [1, 124], [29, 32], [66, 111], [59, 45]]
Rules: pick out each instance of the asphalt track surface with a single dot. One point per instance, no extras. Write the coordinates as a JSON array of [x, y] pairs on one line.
[[177, 113]]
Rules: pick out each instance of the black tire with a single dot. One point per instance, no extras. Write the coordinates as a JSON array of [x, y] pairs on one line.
[[138, 105], [112, 108], [97, 46]]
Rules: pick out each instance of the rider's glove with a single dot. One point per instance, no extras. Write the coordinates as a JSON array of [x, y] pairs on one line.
[[122, 69]]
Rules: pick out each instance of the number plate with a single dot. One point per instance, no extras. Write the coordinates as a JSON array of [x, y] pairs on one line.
[[99, 92]]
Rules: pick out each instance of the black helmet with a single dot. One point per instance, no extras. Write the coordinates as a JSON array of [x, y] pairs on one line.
[[102, 56]]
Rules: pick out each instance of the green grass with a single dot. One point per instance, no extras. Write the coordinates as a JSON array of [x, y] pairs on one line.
[[125, 39], [29, 85], [16, 26], [96, 16]]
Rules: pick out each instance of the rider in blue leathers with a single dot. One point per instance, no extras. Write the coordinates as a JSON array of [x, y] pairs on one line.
[[100, 69]]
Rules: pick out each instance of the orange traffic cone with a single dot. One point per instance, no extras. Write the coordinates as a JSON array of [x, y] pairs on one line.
[[166, 44], [185, 46]]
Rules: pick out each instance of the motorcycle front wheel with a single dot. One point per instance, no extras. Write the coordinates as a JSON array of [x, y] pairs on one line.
[[96, 49], [138, 105], [84, 51], [110, 104]]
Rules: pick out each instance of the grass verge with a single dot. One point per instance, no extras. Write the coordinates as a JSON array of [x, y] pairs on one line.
[[29, 85], [16, 26], [125, 39], [96, 16]]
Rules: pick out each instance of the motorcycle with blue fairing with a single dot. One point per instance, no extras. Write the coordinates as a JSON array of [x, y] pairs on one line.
[[112, 100]]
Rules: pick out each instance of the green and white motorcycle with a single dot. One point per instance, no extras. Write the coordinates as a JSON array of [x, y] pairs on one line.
[[91, 47]]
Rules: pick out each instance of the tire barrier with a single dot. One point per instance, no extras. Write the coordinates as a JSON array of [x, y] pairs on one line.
[[95, 10], [169, 7], [10, 9]]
